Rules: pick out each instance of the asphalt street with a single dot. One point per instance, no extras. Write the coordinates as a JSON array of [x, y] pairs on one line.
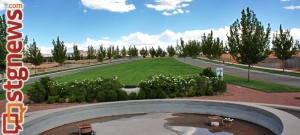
[[254, 75]]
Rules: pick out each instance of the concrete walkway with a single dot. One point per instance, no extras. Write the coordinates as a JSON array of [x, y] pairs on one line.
[[254, 75]]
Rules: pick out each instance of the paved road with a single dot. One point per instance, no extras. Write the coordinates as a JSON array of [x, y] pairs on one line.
[[63, 73], [254, 75]]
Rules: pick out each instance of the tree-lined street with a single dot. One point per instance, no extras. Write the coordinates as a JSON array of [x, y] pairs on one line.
[[255, 75]]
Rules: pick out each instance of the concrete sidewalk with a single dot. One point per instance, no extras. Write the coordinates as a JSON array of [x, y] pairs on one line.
[[254, 75]]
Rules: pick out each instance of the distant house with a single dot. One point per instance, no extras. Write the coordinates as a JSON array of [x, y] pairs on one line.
[[83, 54], [47, 57]]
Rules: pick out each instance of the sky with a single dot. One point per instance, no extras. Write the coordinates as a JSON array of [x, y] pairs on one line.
[[144, 23]]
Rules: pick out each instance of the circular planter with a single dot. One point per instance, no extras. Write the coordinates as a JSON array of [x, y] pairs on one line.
[[131, 88], [279, 122]]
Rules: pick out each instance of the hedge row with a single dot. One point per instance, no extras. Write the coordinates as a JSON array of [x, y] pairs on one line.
[[170, 87], [109, 89], [100, 90]]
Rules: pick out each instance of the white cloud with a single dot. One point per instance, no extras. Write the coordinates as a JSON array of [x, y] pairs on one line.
[[109, 5], [285, 0], [84, 11], [292, 7], [295, 32], [165, 13], [187, 11], [180, 11], [164, 39], [169, 5], [46, 49], [3, 3], [185, 5]]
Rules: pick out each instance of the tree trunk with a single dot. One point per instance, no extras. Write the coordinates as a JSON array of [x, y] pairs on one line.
[[34, 69], [61, 67], [283, 65], [248, 73]]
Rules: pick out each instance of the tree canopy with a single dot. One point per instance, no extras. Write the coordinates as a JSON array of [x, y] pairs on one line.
[[76, 53], [59, 52], [248, 41], [34, 55], [283, 45]]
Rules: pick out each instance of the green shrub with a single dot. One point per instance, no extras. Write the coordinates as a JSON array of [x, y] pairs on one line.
[[208, 72], [122, 95], [52, 99], [167, 86], [90, 97], [151, 94], [219, 86], [208, 91], [161, 94], [37, 93], [72, 99], [45, 81], [111, 96], [101, 96], [80, 99], [133, 96], [61, 100], [141, 95], [172, 95]]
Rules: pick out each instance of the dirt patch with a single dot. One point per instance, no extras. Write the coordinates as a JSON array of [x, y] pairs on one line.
[[239, 127]]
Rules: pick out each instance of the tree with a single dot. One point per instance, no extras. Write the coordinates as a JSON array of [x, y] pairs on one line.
[[135, 51], [132, 51], [76, 53], [152, 52], [3, 51], [100, 57], [159, 52], [180, 49], [34, 55], [248, 41], [123, 52], [59, 52], [218, 48], [207, 45], [103, 51], [91, 52], [283, 46], [109, 52], [117, 53], [144, 52], [163, 54], [171, 51], [192, 48], [24, 51]]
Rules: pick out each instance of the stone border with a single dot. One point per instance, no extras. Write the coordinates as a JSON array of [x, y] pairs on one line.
[[277, 121]]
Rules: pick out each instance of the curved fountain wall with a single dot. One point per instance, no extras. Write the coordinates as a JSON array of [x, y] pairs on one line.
[[277, 121]]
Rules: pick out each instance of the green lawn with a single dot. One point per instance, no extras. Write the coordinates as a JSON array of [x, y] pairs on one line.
[[134, 72], [253, 68]]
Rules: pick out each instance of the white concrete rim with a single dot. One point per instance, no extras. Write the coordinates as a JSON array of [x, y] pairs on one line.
[[289, 123]]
